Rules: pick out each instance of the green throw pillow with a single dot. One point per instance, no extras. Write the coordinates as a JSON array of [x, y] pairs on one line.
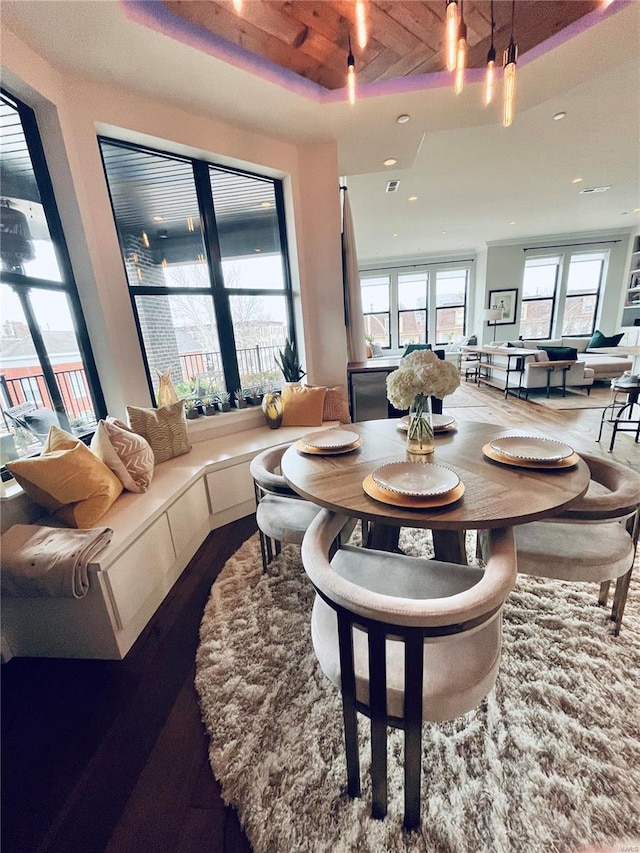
[[600, 340], [561, 353]]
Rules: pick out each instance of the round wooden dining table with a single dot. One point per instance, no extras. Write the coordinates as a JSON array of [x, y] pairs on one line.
[[495, 494]]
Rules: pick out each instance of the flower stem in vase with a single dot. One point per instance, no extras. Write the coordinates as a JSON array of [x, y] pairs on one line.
[[420, 432]]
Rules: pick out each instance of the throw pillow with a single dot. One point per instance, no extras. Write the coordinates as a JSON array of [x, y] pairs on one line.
[[600, 340], [165, 429], [128, 454], [561, 353], [336, 404], [303, 405], [68, 479]]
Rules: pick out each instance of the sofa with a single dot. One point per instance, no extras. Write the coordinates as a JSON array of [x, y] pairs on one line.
[[604, 365], [546, 366]]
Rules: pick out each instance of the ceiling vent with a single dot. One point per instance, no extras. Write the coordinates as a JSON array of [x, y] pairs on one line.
[[594, 190], [392, 186]]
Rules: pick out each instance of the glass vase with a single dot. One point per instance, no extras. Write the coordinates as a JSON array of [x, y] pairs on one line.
[[420, 433], [273, 409]]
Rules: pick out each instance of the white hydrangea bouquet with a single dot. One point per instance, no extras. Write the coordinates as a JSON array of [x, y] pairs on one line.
[[421, 375]]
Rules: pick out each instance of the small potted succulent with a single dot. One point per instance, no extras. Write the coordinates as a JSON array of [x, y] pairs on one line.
[[209, 405], [254, 397], [239, 399], [224, 401], [191, 409]]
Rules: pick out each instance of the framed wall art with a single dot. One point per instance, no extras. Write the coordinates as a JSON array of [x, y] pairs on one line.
[[505, 301]]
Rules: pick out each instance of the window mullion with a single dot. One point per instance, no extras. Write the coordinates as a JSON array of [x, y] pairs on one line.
[[43, 357], [222, 306]]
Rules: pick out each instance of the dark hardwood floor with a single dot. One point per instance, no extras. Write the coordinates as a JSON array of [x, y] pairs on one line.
[[112, 755]]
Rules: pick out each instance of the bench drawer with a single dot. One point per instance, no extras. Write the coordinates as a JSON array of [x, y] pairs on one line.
[[134, 576]]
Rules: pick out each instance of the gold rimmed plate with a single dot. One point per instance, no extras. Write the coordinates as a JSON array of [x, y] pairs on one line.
[[567, 462], [411, 502], [330, 439], [413, 479], [319, 451], [531, 448]]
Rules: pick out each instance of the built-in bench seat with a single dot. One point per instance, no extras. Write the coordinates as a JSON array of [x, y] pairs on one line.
[[155, 535]]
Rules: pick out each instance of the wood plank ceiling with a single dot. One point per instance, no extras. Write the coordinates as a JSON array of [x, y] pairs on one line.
[[310, 37]]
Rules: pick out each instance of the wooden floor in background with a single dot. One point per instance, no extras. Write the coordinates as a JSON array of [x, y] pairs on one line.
[[112, 756]]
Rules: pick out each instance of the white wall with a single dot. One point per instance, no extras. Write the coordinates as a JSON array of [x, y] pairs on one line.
[[505, 266], [71, 111]]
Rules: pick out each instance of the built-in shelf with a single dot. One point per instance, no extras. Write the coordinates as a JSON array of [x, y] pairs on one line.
[[631, 310]]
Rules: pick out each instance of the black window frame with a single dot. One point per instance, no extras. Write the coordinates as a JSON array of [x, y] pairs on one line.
[[219, 293], [552, 299], [24, 285]]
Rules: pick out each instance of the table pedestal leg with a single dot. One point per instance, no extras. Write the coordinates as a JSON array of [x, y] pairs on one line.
[[449, 546], [382, 537]]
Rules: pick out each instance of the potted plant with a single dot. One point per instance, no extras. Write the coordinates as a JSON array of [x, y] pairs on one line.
[[289, 363], [239, 399], [191, 409], [224, 401], [209, 405]]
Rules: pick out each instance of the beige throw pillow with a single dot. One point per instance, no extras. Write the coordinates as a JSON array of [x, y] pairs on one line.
[[128, 454], [336, 404], [165, 429]]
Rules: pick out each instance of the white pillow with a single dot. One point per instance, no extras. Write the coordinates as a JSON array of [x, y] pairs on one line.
[[128, 454]]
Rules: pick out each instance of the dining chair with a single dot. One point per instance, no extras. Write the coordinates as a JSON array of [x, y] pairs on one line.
[[595, 539], [405, 639]]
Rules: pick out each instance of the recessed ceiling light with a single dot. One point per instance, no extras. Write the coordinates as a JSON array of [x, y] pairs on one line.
[[636, 209], [403, 119], [577, 181], [394, 235], [512, 222], [158, 218], [444, 232], [390, 161], [559, 116], [413, 198]]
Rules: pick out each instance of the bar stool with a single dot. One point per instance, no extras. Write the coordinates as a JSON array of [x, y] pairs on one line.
[[625, 392]]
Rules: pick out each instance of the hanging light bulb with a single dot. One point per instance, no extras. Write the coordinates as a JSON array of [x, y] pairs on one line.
[[490, 76], [452, 27], [461, 54], [351, 76], [361, 23], [509, 83]]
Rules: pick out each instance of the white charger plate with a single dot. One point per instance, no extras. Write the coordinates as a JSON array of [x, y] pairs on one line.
[[531, 448], [437, 421], [415, 479], [330, 439]]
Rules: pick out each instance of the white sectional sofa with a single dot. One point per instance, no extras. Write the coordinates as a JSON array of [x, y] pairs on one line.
[[155, 536], [604, 365]]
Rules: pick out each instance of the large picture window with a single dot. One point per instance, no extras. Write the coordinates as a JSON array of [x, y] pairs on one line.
[[584, 280], [204, 248], [539, 288], [47, 372], [427, 305]]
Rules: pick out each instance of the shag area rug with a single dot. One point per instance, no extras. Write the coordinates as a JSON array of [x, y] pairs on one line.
[[549, 763]]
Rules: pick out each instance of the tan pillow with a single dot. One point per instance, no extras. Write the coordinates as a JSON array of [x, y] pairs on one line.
[[303, 405], [165, 429], [128, 454], [68, 479], [336, 404]]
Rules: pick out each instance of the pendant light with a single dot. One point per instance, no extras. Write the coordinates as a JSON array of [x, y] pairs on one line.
[[351, 76], [509, 84], [361, 23], [237, 5], [490, 76], [461, 53], [452, 26]]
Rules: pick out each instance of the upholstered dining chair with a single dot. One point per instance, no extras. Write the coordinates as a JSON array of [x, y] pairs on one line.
[[406, 640], [595, 539], [281, 514]]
